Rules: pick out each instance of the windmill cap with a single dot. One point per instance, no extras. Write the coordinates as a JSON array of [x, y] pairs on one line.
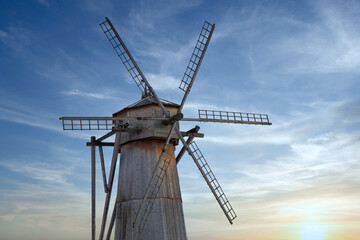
[[148, 101]]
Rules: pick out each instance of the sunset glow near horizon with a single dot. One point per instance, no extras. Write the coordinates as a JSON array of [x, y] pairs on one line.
[[297, 61]]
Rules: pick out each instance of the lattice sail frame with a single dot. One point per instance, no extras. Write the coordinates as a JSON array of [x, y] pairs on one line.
[[197, 56], [87, 124], [125, 56], [212, 182], [107, 123], [234, 117]]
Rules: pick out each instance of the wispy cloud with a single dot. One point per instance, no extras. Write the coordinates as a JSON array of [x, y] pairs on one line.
[[3, 34], [146, 14], [163, 82], [329, 44], [88, 94], [165, 57], [29, 115], [24, 115], [312, 175], [93, 6], [51, 191], [315, 121], [44, 205], [39, 171], [44, 3], [16, 38]]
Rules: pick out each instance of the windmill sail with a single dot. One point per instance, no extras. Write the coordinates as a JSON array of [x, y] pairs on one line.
[[232, 117], [129, 62], [196, 59], [125, 56], [211, 181], [84, 123]]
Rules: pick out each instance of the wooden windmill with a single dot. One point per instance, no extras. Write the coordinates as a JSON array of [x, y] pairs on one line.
[[148, 203]]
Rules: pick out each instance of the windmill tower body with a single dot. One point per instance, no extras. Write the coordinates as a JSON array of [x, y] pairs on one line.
[[139, 155]]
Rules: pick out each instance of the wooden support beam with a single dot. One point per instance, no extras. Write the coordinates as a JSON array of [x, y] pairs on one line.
[[103, 168], [106, 144], [109, 134], [188, 141], [192, 134], [110, 183], [93, 193]]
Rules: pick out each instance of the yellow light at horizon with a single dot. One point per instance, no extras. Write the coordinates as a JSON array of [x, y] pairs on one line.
[[312, 231]]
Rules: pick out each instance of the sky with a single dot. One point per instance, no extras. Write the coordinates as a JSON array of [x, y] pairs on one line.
[[297, 61]]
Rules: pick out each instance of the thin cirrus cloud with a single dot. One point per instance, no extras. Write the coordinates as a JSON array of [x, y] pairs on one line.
[[31, 120], [17, 38], [147, 14], [13, 111], [89, 94], [329, 44], [163, 82], [38, 171], [305, 179], [51, 190]]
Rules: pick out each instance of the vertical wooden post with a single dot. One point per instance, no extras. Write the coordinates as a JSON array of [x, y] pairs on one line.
[[93, 229]]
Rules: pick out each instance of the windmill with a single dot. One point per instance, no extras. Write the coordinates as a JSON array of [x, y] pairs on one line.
[[148, 203]]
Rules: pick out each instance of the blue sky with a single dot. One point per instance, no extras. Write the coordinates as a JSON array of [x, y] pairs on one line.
[[297, 61]]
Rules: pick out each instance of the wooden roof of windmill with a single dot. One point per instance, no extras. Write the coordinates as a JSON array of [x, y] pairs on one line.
[[147, 101]]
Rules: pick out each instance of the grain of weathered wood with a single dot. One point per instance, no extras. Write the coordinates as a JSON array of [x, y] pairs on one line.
[[166, 220]]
